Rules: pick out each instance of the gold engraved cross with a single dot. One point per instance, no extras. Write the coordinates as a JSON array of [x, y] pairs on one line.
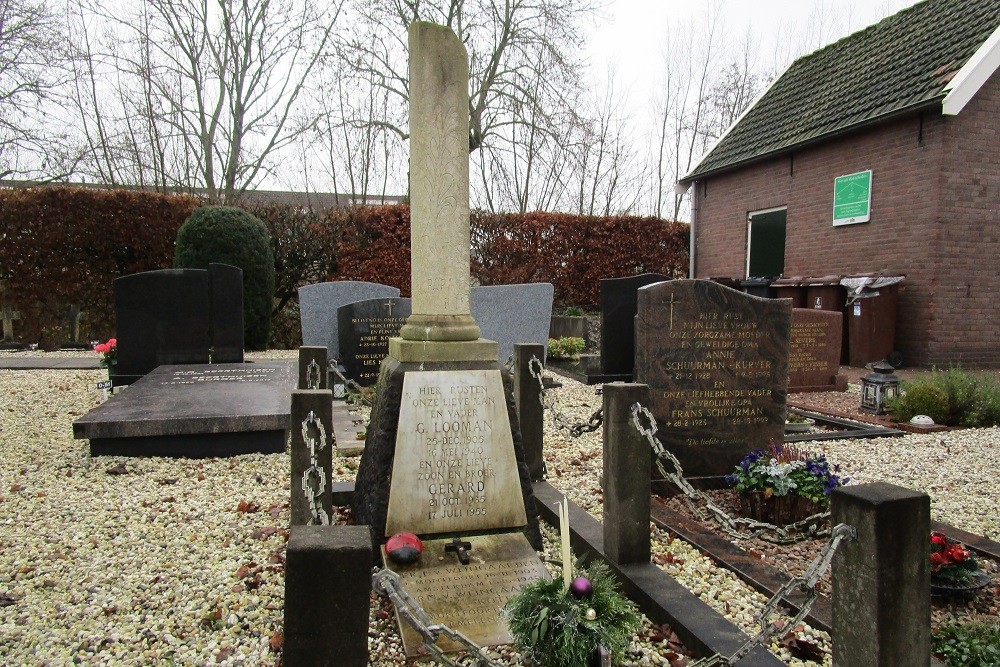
[[672, 301], [388, 304]]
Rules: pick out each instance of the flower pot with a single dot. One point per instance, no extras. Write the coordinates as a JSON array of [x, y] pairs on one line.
[[979, 580], [779, 510], [799, 427]]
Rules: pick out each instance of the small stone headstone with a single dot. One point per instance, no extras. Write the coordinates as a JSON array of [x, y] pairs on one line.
[[510, 314], [814, 358], [716, 362], [619, 304], [318, 304], [226, 290], [365, 328], [7, 318], [74, 316]]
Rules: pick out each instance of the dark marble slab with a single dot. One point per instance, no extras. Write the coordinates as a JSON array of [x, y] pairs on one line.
[[195, 410], [716, 361], [619, 304], [226, 290], [364, 329]]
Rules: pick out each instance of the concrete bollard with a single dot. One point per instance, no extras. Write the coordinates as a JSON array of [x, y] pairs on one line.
[[312, 367], [627, 464], [881, 579], [320, 403], [327, 585], [530, 414]]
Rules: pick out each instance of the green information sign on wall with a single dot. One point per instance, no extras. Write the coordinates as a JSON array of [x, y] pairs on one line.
[[852, 198]]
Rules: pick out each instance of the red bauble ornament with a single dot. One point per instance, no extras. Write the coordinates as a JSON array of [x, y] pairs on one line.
[[404, 548], [581, 587]]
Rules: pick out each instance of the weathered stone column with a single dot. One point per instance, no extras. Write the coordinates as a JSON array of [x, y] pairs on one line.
[[319, 402], [881, 580], [626, 476], [439, 186], [308, 354], [530, 414], [327, 581]]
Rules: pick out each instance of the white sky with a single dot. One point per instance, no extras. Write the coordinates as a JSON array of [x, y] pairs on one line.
[[631, 37]]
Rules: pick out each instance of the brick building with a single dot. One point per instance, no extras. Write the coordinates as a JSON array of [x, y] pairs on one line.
[[909, 109]]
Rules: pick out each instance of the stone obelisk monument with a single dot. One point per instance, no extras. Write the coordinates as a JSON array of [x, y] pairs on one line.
[[443, 456]]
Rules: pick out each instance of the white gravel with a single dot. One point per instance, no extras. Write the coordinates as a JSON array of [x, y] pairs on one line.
[[158, 566]]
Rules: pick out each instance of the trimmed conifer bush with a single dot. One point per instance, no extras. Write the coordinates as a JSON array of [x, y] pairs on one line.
[[232, 236]]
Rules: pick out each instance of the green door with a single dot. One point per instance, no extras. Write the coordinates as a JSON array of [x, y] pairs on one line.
[[766, 251]]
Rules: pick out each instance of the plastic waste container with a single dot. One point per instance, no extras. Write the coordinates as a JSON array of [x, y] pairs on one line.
[[872, 302], [732, 283], [758, 286], [790, 288]]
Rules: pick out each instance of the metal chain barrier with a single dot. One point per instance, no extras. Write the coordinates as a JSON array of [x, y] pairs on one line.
[[769, 630], [313, 377], [811, 527], [559, 419], [350, 384], [386, 583], [313, 478]]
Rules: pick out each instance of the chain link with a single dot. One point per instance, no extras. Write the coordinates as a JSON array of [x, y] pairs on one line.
[[350, 384], [815, 526], [313, 478], [559, 419], [386, 583], [313, 377], [769, 630]]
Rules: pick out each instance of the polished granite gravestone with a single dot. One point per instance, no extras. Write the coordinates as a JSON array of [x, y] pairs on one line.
[[177, 316], [365, 328], [619, 304], [716, 362], [814, 357], [510, 314], [195, 411], [318, 304]]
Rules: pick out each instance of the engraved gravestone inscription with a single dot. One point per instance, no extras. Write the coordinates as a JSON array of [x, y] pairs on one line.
[[364, 330], [716, 361], [814, 359]]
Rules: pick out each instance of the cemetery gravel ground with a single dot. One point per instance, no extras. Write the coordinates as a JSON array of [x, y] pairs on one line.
[[159, 565]]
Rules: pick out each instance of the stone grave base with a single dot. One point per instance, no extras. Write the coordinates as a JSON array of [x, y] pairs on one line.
[[195, 411], [467, 598]]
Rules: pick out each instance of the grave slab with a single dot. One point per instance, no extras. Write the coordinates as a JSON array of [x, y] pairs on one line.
[[716, 362], [195, 411], [455, 594]]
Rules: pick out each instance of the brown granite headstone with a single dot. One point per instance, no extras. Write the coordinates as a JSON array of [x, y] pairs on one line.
[[716, 362], [814, 358]]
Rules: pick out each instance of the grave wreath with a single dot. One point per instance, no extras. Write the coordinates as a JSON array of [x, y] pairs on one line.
[[954, 568]]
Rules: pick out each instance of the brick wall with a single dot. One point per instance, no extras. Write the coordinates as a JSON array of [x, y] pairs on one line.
[[935, 198]]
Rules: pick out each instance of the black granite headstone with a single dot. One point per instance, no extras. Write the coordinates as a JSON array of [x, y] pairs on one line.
[[227, 313], [162, 317], [195, 411], [618, 308], [364, 329], [716, 362]]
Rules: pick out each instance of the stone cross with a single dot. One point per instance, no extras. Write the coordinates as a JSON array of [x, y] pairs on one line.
[[9, 315], [75, 316], [439, 187]]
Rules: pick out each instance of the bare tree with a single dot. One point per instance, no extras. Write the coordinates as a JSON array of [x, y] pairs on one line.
[[31, 55], [196, 93]]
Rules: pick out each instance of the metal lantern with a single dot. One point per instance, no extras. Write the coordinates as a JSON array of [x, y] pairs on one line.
[[878, 388]]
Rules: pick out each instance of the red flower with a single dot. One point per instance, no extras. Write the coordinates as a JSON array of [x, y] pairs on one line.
[[112, 344], [101, 348], [937, 559], [938, 538], [958, 554]]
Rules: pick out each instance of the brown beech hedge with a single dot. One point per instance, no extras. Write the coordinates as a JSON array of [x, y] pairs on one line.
[[65, 245]]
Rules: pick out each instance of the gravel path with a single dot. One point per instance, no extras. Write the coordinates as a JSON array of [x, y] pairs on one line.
[[119, 561]]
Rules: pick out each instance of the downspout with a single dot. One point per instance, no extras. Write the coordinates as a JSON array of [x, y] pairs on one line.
[[680, 189]]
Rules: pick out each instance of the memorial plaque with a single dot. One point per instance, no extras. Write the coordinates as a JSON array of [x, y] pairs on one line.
[[454, 467], [365, 328], [716, 362], [814, 359], [619, 303], [468, 598]]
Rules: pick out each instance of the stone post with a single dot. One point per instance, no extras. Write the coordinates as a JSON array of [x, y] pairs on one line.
[[530, 414], [627, 464], [439, 187], [319, 402], [309, 354], [881, 580], [327, 582]]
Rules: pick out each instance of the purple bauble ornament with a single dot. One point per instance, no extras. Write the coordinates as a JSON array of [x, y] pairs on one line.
[[581, 587]]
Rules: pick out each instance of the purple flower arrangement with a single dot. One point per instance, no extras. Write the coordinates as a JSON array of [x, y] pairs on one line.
[[783, 469]]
